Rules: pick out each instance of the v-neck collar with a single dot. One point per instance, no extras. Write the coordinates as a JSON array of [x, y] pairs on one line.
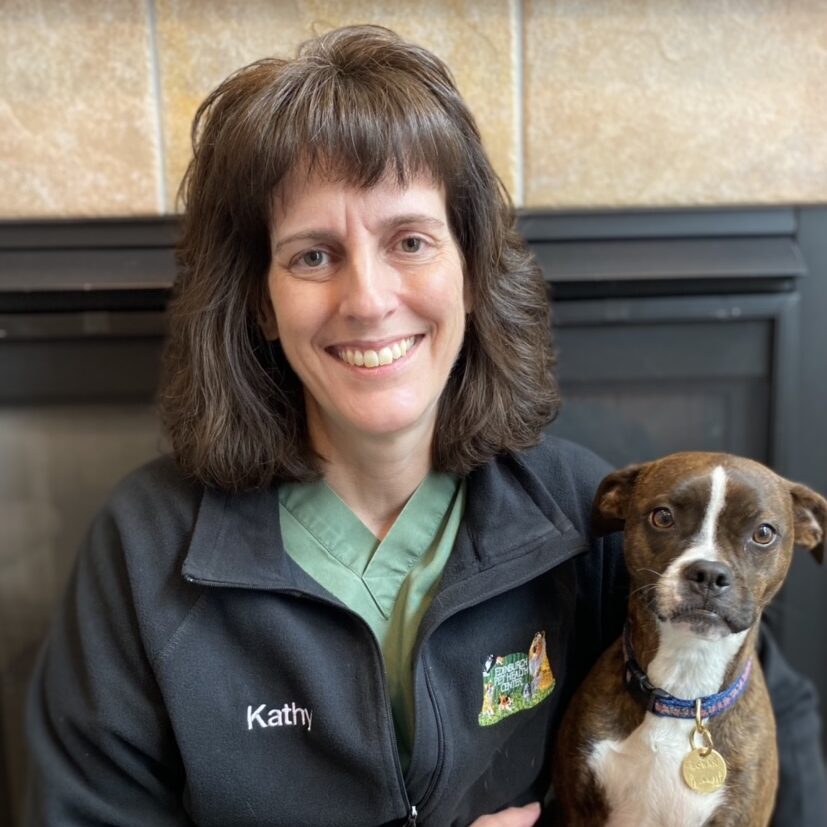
[[381, 565]]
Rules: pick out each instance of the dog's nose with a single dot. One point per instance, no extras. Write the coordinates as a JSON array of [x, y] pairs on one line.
[[708, 577]]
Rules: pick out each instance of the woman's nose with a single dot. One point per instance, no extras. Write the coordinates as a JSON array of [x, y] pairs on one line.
[[369, 288]]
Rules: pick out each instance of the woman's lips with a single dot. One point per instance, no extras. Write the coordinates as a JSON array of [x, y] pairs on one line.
[[374, 358]]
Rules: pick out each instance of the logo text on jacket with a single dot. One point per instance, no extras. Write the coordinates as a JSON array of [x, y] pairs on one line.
[[512, 683], [264, 717]]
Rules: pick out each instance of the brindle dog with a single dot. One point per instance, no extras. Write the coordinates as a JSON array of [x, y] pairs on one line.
[[708, 542]]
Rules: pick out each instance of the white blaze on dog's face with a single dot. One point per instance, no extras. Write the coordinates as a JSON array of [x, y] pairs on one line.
[[708, 537], [697, 586]]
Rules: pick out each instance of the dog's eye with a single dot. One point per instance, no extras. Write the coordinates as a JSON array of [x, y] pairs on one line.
[[662, 518], [764, 534]]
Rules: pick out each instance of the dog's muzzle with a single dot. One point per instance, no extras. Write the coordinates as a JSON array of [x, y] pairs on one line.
[[706, 600]]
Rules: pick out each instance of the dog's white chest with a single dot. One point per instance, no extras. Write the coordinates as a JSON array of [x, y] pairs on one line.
[[641, 777]]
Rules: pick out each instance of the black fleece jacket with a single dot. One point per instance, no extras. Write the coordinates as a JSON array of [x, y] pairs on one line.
[[196, 675]]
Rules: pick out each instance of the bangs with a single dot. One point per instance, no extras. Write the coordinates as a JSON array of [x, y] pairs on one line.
[[358, 129]]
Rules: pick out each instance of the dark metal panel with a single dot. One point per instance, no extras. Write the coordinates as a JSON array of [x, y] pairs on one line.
[[718, 308], [84, 325], [101, 369], [92, 233], [65, 357], [664, 350], [641, 378], [802, 608], [692, 338], [637, 420], [811, 392], [645, 260], [542, 225], [82, 270], [785, 379]]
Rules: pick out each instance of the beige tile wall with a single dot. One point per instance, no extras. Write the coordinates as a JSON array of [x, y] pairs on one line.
[[582, 103], [675, 102], [78, 118], [199, 44]]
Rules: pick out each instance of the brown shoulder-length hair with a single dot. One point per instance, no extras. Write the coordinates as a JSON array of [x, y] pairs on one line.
[[355, 104]]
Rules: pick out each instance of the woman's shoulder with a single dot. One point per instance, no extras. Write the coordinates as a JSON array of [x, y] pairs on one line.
[[563, 472], [560, 460], [136, 547], [147, 519], [158, 487], [557, 476]]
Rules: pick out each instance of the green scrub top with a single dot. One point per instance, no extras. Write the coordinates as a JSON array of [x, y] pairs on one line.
[[391, 583]]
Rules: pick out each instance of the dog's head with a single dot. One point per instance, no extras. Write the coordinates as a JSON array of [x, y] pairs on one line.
[[708, 537]]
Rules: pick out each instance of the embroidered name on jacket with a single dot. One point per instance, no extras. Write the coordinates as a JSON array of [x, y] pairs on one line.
[[264, 717], [512, 683]]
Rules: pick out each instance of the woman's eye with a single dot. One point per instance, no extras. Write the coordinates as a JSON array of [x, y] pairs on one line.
[[313, 258], [764, 534], [411, 244], [662, 518]]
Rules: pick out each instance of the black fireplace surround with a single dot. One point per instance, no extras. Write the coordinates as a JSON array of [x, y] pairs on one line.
[[675, 329]]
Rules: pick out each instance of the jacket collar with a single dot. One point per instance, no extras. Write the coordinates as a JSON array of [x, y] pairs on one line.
[[237, 542]]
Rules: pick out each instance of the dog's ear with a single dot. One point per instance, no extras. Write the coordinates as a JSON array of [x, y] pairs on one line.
[[810, 510], [612, 500]]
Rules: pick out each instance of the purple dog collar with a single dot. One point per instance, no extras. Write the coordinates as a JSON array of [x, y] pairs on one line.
[[660, 702]]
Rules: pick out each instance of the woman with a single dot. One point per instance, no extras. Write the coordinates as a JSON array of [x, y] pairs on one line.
[[364, 587]]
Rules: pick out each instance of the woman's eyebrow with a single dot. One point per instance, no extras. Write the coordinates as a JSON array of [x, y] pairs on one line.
[[412, 218], [325, 236]]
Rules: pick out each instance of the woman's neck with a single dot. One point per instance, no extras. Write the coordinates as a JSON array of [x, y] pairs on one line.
[[373, 475]]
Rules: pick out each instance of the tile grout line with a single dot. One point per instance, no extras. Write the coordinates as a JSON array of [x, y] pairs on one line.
[[517, 62], [155, 67]]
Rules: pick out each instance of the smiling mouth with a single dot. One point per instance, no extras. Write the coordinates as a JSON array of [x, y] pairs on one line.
[[369, 358]]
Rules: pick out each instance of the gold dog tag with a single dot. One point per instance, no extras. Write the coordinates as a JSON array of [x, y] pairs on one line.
[[704, 769]]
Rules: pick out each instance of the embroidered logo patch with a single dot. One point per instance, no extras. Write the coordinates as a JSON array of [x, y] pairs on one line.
[[512, 683]]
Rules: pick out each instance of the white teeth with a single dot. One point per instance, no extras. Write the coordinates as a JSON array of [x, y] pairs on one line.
[[373, 359]]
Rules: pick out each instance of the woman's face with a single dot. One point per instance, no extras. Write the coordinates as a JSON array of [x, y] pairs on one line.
[[369, 302]]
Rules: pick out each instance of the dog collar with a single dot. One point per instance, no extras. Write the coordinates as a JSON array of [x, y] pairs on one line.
[[660, 702]]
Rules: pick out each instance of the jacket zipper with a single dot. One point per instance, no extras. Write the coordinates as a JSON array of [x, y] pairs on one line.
[[410, 809], [436, 623], [412, 812]]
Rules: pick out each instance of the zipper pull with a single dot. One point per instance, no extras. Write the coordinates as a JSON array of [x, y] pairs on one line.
[[411, 822]]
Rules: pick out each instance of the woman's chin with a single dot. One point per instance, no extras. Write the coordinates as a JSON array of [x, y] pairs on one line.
[[386, 424]]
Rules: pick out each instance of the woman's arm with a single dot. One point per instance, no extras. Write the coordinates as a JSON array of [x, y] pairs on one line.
[[802, 787], [102, 750]]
